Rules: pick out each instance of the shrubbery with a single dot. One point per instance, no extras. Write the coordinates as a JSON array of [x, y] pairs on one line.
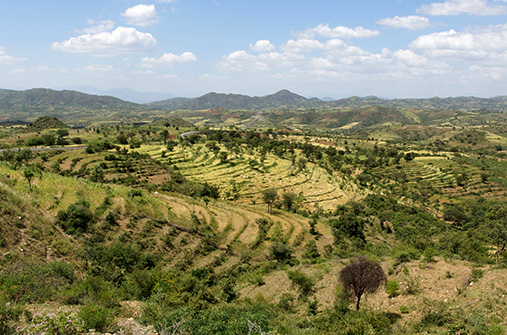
[[76, 218]]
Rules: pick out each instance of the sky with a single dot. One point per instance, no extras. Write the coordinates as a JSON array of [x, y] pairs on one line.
[[315, 48]]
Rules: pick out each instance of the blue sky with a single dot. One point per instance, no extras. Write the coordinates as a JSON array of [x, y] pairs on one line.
[[323, 48]]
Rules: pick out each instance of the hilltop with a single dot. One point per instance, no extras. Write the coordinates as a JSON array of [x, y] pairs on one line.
[[280, 99], [69, 106], [47, 122]]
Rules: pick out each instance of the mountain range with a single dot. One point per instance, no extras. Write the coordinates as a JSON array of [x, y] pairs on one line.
[[79, 108]]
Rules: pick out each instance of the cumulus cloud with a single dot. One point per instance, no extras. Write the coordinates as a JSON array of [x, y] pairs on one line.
[[262, 46], [120, 40], [98, 26], [473, 44], [459, 7], [412, 22], [410, 58], [168, 59], [302, 45], [141, 15], [321, 60], [7, 59], [324, 30]]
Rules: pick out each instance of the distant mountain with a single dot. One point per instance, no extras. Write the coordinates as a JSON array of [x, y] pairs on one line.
[[435, 103], [69, 106], [40, 97], [287, 99], [281, 99], [80, 109], [123, 94]]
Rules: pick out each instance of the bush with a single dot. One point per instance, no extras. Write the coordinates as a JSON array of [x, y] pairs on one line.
[[95, 317], [304, 283], [227, 319], [76, 218], [35, 282], [281, 252], [392, 288], [62, 323], [286, 302]]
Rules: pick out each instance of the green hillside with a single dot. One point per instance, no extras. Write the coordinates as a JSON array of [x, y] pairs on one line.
[[142, 230]]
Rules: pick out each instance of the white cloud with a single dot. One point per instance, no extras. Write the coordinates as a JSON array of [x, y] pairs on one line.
[[323, 30], [262, 46], [302, 45], [6, 59], [98, 26], [310, 59], [458, 7], [99, 68], [168, 59], [141, 15], [121, 40], [412, 22], [44, 68], [410, 58], [474, 44]]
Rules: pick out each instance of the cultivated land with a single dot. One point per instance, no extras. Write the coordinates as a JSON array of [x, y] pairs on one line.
[[239, 222]]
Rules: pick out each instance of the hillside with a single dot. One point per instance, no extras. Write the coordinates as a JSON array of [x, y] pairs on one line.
[[139, 230], [287, 99], [282, 108], [69, 106], [281, 99], [47, 122]]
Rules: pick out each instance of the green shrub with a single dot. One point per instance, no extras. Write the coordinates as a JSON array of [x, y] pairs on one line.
[[35, 282], [404, 253], [392, 288], [95, 317], [61, 323], [227, 319], [304, 283], [76, 218], [286, 302], [281, 252], [8, 315]]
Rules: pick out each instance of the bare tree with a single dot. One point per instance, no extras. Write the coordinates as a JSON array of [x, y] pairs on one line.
[[362, 276]]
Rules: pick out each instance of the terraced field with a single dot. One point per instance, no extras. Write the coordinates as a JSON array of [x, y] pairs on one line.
[[446, 176], [245, 172], [236, 223]]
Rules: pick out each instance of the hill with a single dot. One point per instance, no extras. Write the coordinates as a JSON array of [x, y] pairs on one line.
[[287, 99], [282, 108], [47, 122], [137, 227], [69, 106], [280, 99]]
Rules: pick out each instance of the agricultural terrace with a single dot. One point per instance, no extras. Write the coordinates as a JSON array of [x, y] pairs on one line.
[[245, 174]]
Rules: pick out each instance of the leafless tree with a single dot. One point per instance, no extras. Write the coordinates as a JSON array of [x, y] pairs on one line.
[[362, 276]]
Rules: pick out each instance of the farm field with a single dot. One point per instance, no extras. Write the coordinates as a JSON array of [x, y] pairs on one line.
[[143, 226]]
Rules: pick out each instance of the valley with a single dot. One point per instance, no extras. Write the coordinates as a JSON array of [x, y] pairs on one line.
[[238, 218]]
